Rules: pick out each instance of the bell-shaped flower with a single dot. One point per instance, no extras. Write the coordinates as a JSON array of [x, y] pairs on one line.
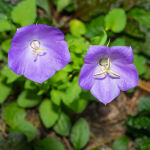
[[107, 70], [37, 52]]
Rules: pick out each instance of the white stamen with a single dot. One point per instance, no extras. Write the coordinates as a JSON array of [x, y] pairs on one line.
[[105, 64], [35, 46]]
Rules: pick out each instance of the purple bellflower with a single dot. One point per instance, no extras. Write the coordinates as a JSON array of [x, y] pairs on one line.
[[107, 71], [37, 52]]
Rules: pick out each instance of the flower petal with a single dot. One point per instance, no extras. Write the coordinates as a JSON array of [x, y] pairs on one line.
[[98, 69], [86, 78], [24, 64], [25, 35], [38, 31], [39, 71], [95, 53], [54, 53], [49, 33], [128, 76], [58, 53], [121, 54], [44, 67], [105, 90]]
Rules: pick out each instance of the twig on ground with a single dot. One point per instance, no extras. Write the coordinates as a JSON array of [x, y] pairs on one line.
[[133, 103], [144, 85], [67, 143]]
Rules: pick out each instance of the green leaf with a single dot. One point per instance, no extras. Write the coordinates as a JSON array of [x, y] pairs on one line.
[[78, 105], [135, 44], [9, 74], [27, 128], [56, 96], [6, 7], [121, 143], [143, 143], [77, 62], [77, 28], [49, 113], [116, 20], [18, 141], [131, 90], [145, 46], [146, 75], [95, 27], [141, 15], [49, 144], [61, 4], [77, 45], [13, 114], [99, 40], [68, 68], [72, 93], [59, 76], [133, 29], [119, 42], [140, 64], [143, 4], [1, 55], [4, 92], [80, 134], [63, 125], [29, 85], [71, 8], [138, 122], [27, 99], [144, 104], [5, 25], [44, 4], [6, 45], [24, 13]]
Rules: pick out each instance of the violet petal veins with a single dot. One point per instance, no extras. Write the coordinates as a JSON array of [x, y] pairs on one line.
[[37, 52], [107, 70]]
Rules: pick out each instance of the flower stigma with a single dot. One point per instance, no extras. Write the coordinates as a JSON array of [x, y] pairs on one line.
[[105, 64], [35, 46]]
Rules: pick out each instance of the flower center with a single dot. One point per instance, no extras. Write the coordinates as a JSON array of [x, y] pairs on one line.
[[35, 46], [105, 64]]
